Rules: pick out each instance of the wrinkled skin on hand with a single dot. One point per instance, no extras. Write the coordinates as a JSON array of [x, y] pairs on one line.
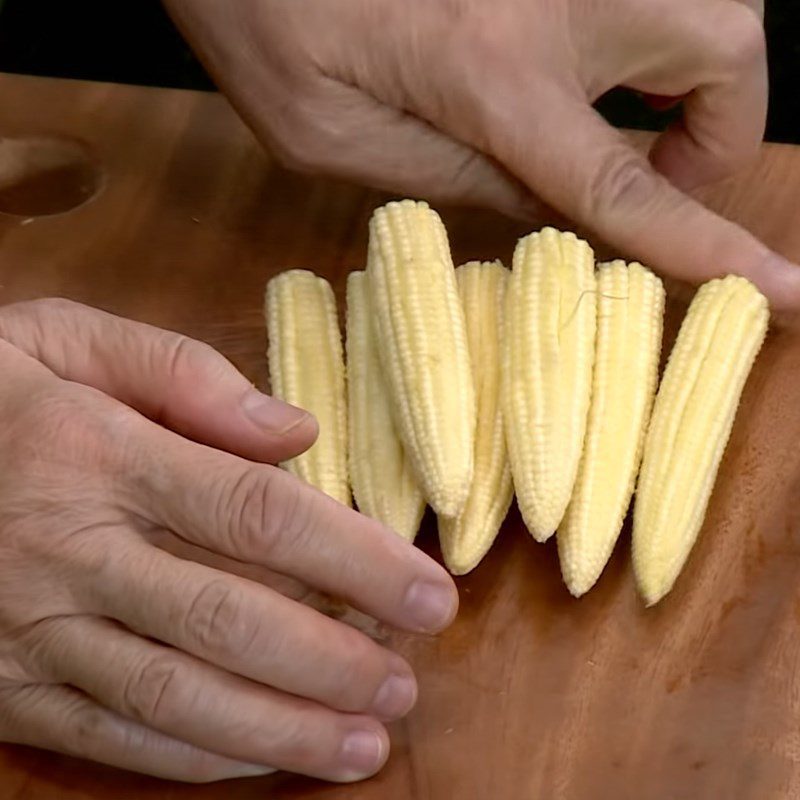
[[489, 103], [153, 560]]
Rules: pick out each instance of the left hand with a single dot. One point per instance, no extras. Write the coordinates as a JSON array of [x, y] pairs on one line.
[[142, 537]]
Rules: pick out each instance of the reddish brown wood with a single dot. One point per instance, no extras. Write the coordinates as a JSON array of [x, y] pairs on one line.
[[530, 694]]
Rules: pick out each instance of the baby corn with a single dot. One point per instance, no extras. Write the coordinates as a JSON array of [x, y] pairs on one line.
[[630, 309], [307, 370], [422, 344], [466, 539], [692, 420], [383, 483], [548, 352]]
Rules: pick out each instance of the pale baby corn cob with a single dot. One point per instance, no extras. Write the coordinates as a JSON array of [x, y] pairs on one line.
[[548, 352], [423, 348], [692, 420], [307, 370], [383, 483], [630, 309], [466, 539]]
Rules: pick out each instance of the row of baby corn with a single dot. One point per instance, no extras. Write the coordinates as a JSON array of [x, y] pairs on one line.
[[465, 385]]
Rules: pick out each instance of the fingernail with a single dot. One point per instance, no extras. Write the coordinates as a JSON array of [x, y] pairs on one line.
[[431, 606], [396, 697], [270, 413], [361, 754]]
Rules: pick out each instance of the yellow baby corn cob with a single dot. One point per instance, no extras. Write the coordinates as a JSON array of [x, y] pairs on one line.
[[307, 370], [423, 348], [467, 538], [548, 352], [630, 309], [692, 420], [383, 483]]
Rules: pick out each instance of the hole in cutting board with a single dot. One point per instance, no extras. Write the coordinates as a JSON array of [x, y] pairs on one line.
[[42, 175]]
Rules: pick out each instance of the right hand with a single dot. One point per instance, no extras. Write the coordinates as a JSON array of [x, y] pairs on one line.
[[489, 102], [119, 641]]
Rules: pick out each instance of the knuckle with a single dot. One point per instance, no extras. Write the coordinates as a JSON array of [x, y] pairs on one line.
[[33, 320], [272, 516], [149, 692], [358, 673], [300, 153], [622, 182], [298, 742], [186, 357], [314, 136], [69, 426], [40, 649], [217, 624], [88, 728], [741, 41], [52, 416], [81, 727]]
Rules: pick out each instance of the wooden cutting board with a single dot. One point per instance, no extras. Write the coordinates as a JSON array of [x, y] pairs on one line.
[[530, 694]]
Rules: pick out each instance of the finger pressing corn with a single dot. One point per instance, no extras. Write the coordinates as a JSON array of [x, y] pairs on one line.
[[422, 344], [307, 370], [466, 539], [383, 483], [692, 420], [630, 310]]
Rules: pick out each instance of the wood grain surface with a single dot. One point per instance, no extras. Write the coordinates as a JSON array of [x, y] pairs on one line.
[[530, 694]]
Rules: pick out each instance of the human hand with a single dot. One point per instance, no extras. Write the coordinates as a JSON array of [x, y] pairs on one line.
[[489, 103], [124, 637]]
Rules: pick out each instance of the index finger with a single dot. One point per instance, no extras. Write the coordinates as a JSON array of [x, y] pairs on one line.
[[263, 515], [596, 176]]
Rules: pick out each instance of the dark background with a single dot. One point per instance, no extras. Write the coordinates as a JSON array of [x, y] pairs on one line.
[[133, 41]]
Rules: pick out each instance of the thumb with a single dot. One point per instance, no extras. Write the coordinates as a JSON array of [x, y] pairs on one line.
[[181, 383], [590, 171]]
